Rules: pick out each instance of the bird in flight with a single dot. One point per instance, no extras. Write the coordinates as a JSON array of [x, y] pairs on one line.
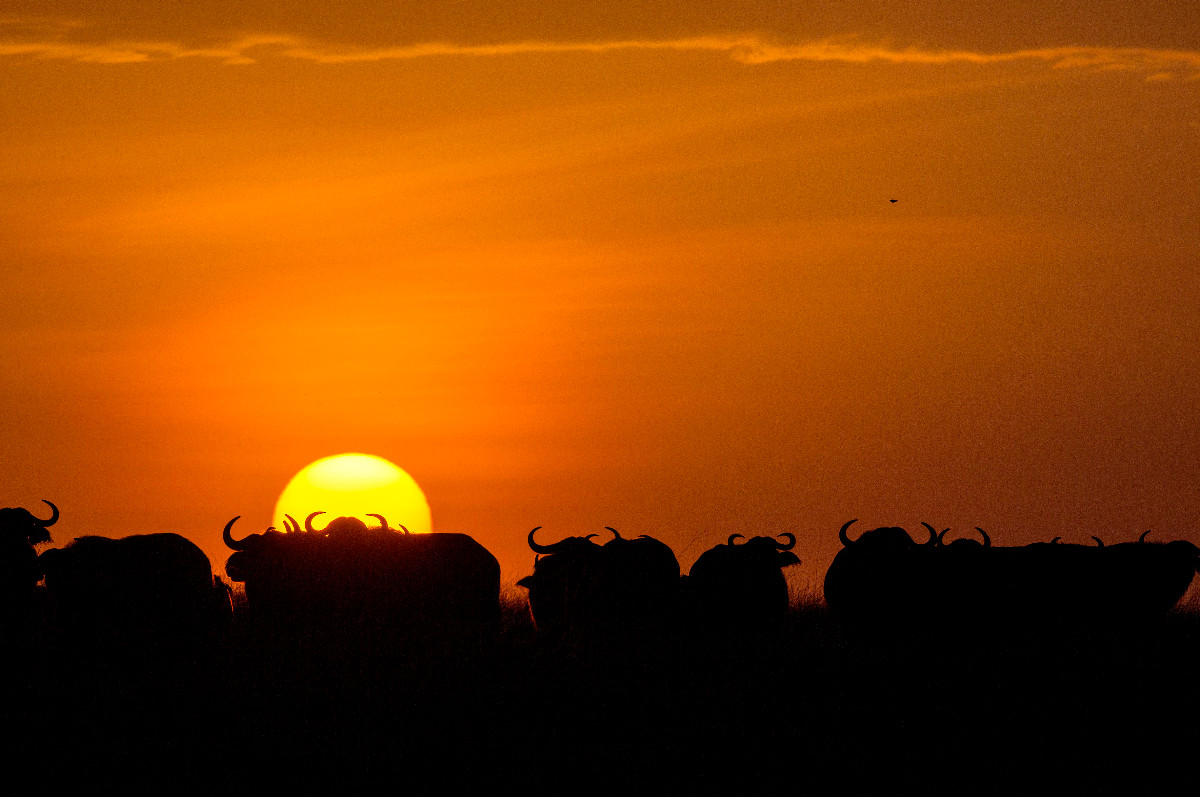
[[893, 201]]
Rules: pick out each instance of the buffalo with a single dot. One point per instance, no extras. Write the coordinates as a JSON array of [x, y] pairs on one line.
[[645, 574], [883, 576], [20, 531], [1056, 586], [560, 586], [1150, 577], [971, 587], [385, 589], [581, 592], [141, 591], [740, 588]]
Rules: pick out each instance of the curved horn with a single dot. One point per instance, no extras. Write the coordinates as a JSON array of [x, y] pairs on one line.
[[1143, 537], [616, 534], [291, 527], [987, 541], [227, 536], [791, 541], [934, 534], [1099, 541], [405, 530], [53, 517], [536, 548], [383, 521], [308, 522], [1055, 540], [842, 534], [733, 537], [552, 547]]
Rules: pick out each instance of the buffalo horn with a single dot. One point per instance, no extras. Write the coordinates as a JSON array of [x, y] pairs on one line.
[[791, 541], [553, 547], [1099, 542], [842, 534], [536, 548], [383, 522], [53, 517], [1143, 537], [308, 522], [290, 525], [733, 537], [236, 545], [987, 541], [616, 534]]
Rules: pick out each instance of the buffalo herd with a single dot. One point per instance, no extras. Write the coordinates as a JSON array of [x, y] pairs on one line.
[[885, 581], [105, 596], [353, 652], [446, 587]]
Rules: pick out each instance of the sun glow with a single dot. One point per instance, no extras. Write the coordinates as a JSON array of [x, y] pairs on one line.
[[355, 485]]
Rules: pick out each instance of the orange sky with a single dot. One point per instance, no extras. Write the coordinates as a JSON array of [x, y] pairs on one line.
[[606, 264]]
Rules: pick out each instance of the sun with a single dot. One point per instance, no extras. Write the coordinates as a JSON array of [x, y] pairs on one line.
[[357, 485]]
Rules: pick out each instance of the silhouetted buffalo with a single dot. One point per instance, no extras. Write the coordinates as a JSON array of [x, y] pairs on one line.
[[20, 531], [975, 588], [602, 593], [1048, 586], [346, 579], [882, 576], [1142, 580], [142, 590], [644, 574], [563, 572], [740, 588]]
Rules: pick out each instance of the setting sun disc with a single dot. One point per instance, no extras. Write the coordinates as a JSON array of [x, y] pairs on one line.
[[355, 485]]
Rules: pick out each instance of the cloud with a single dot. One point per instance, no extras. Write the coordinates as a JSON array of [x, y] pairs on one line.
[[136, 52], [750, 50], [1062, 57], [698, 44]]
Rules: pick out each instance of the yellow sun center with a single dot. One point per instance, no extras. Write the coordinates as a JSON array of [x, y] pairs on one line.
[[354, 485]]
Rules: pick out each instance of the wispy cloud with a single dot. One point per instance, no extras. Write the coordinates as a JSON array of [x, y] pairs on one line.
[[123, 52], [1062, 57], [430, 49], [1159, 64]]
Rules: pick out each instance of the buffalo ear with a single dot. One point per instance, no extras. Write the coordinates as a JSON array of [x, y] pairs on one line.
[[38, 535], [235, 567], [787, 558]]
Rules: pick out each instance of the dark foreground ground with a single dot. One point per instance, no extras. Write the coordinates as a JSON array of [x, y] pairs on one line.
[[814, 709]]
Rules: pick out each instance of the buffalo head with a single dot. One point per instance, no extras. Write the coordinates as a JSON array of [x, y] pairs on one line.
[[964, 543], [739, 588], [768, 549], [20, 572], [21, 526], [887, 538]]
